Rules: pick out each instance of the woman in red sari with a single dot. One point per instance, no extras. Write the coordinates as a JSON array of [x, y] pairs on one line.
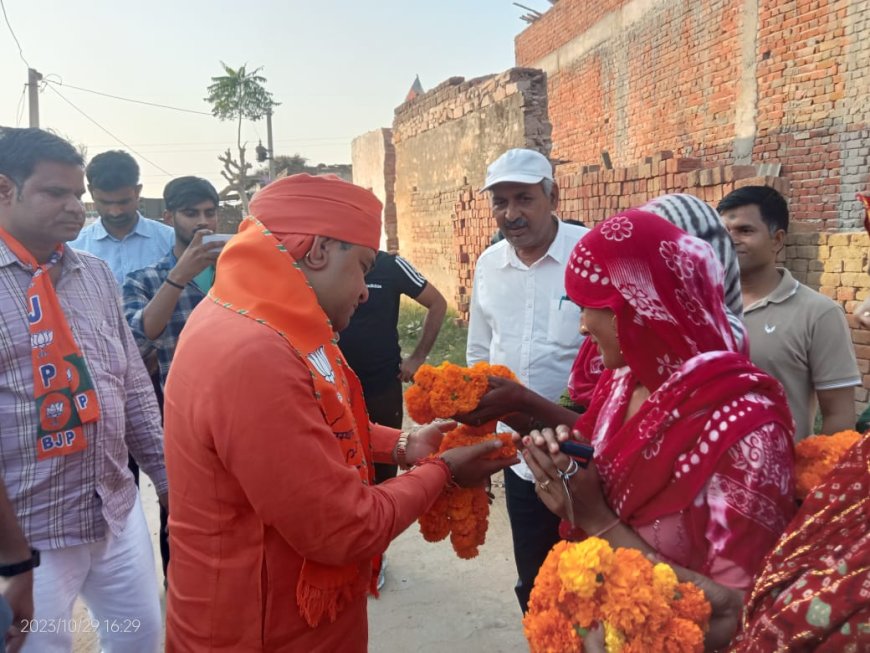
[[693, 444]]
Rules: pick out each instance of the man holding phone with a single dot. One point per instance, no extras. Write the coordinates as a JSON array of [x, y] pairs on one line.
[[159, 298]]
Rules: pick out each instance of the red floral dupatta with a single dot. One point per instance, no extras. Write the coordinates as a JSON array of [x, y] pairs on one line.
[[666, 292]]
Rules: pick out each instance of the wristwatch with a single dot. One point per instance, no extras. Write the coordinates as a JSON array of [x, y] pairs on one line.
[[20, 567]]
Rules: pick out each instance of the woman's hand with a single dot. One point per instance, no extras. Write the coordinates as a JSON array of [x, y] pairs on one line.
[[502, 398], [589, 509], [423, 441]]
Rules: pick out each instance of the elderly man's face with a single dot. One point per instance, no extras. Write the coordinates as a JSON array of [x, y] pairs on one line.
[[524, 213]]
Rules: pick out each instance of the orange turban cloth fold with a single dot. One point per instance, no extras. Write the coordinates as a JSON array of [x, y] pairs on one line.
[[319, 206]]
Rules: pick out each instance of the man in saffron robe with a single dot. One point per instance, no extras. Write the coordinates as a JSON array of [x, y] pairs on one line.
[[276, 528]]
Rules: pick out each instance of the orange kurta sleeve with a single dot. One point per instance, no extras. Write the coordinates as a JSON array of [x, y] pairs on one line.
[[383, 442], [271, 435]]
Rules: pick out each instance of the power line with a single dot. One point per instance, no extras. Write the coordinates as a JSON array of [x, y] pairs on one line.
[[126, 99], [19, 112], [329, 140], [141, 156], [12, 32]]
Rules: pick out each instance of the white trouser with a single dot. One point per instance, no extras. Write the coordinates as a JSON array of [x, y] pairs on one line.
[[116, 578]]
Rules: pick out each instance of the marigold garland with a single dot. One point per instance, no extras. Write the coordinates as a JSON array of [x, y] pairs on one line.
[[449, 389], [643, 607], [817, 455], [445, 391]]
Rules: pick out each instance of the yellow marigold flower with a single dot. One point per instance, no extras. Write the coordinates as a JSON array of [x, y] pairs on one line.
[[613, 639], [664, 580], [584, 565]]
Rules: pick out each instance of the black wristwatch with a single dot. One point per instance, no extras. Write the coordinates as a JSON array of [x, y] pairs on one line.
[[20, 567]]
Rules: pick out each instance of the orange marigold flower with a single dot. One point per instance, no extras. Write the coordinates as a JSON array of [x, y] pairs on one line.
[[547, 585], [425, 376], [550, 632], [682, 636], [417, 402], [817, 455], [692, 604], [434, 526]]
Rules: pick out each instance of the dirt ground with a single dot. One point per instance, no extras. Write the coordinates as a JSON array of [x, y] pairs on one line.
[[432, 601]]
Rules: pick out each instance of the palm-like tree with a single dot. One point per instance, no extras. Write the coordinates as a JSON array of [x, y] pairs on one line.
[[238, 95]]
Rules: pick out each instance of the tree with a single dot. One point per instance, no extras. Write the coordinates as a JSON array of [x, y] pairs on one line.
[[238, 95]]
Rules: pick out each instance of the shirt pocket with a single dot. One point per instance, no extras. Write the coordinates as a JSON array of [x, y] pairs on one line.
[[101, 346], [563, 326]]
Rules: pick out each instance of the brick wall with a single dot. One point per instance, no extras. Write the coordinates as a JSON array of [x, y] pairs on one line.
[[724, 81], [835, 264], [374, 167], [444, 140]]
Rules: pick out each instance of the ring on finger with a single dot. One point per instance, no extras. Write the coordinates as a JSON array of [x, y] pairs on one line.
[[569, 471], [544, 485]]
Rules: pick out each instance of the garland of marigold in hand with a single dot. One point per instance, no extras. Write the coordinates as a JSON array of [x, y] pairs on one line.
[[642, 606], [449, 389], [445, 391], [817, 455], [463, 513]]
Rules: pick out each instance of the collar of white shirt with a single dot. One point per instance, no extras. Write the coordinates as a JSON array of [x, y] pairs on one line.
[[560, 250]]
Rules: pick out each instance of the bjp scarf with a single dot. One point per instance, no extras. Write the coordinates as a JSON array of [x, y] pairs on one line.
[[246, 283], [665, 289], [813, 593], [698, 219], [62, 387]]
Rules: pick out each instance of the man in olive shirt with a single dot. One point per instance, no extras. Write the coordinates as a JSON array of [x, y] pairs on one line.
[[795, 333]]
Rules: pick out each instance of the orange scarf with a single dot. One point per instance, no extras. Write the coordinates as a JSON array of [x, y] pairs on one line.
[[246, 282], [62, 387]]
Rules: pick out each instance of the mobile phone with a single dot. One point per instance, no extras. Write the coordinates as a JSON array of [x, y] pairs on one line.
[[579, 451]]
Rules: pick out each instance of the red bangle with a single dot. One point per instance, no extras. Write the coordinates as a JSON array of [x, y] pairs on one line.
[[438, 460]]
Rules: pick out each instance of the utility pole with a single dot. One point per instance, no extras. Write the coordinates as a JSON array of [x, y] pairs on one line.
[[33, 79], [270, 145]]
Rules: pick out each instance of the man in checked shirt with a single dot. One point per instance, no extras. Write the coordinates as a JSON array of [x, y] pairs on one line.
[[74, 398]]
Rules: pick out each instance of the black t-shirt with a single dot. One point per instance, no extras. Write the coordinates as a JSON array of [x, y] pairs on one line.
[[370, 343]]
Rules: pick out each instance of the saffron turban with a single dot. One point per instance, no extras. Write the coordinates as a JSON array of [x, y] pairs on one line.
[[319, 206]]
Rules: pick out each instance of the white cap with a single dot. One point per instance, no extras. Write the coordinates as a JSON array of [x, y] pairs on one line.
[[519, 166]]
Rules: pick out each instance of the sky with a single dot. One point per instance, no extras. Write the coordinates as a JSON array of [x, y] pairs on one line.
[[338, 67]]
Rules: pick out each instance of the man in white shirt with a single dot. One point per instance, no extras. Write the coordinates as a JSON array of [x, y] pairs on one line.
[[521, 317]]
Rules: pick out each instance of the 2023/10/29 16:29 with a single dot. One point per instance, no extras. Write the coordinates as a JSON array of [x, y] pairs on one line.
[[82, 625]]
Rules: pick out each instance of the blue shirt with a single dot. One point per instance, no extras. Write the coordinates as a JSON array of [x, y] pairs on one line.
[[143, 246], [139, 289]]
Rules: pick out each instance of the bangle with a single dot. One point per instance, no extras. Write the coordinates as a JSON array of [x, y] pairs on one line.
[[607, 528], [401, 450], [173, 284], [443, 464]]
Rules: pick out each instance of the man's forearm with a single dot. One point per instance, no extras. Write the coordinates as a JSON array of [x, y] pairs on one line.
[[836, 422], [431, 327], [159, 311]]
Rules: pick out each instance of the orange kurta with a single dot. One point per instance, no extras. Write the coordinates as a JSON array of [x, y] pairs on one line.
[[257, 483]]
